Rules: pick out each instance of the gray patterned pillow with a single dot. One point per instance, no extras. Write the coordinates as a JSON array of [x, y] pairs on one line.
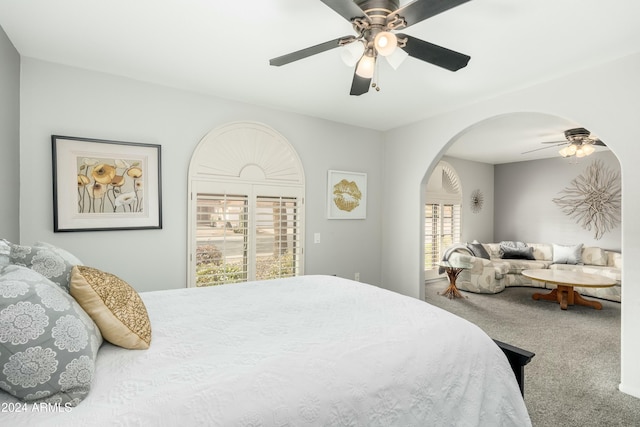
[[48, 344], [52, 262]]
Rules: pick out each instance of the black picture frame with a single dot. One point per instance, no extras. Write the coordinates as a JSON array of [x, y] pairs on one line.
[[102, 185]]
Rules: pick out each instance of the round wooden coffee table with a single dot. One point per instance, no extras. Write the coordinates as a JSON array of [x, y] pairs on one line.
[[566, 280]]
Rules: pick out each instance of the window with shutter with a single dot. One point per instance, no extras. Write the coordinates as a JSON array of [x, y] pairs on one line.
[[246, 212], [442, 216]]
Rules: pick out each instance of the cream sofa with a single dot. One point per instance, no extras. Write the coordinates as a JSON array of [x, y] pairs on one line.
[[494, 274]]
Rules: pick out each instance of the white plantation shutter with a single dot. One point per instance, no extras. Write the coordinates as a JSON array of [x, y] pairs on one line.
[[431, 235], [222, 239], [241, 237], [278, 225]]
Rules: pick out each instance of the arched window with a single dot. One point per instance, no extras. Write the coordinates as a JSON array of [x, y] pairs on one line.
[[442, 212], [246, 207]]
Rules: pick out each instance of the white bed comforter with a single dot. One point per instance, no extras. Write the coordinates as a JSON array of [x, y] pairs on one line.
[[305, 351]]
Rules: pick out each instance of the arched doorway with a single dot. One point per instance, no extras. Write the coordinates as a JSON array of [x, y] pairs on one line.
[[542, 218]]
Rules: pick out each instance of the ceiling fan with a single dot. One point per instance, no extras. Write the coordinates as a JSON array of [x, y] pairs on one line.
[[375, 22], [578, 143]]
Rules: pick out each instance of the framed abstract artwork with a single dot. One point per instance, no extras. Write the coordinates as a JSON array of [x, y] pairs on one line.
[[105, 185], [346, 195]]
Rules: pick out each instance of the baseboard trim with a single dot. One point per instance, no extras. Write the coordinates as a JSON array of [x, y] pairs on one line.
[[631, 391]]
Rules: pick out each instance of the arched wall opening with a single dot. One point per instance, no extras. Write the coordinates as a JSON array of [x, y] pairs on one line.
[[533, 128], [566, 168]]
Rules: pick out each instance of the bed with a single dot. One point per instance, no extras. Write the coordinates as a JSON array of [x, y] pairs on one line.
[[303, 351]]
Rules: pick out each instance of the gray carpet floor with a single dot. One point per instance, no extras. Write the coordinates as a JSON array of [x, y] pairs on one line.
[[573, 378]]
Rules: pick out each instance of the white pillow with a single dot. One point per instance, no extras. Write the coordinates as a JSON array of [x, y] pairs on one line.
[[567, 254]]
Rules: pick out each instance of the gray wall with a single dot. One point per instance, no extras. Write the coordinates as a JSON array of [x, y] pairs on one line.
[[524, 209], [475, 176], [9, 139], [68, 101]]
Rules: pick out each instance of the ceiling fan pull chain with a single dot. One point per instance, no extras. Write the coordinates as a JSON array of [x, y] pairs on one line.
[[375, 84]]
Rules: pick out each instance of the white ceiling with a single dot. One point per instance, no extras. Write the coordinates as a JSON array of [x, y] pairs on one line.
[[223, 48]]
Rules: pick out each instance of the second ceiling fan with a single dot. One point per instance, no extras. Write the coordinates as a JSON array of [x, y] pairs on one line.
[[376, 23], [578, 142]]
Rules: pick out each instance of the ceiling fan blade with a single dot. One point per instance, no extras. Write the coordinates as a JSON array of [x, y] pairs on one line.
[[595, 142], [544, 148], [420, 10], [360, 85], [304, 53], [345, 8], [434, 54]]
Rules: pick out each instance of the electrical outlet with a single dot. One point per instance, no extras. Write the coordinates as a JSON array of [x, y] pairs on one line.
[[356, 277]]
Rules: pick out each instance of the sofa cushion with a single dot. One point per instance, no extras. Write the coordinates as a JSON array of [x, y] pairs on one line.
[[542, 251], [517, 265], [567, 254], [614, 259], [594, 256]]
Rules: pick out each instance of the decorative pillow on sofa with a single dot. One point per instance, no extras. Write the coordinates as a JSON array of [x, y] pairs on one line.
[[114, 305], [515, 250], [507, 252], [567, 254], [52, 262], [478, 250], [48, 344], [594, 256], [512, 244]]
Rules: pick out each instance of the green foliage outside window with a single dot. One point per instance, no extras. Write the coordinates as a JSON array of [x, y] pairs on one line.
[[211, 271]]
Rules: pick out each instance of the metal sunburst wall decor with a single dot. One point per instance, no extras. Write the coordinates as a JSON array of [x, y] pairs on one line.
[[477, 200], [594, 199]]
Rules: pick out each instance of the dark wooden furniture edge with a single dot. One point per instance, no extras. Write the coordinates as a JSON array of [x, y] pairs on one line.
[[517, 358]]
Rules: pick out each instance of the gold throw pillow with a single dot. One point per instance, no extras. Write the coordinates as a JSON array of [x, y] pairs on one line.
[[113, 305]]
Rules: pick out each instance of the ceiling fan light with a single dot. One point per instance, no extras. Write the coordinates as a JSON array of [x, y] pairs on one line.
[[351, 53], [580, 153], [366, 66], [588, 149], [385, 43], [396, 58], [564, 152], [571, 149]]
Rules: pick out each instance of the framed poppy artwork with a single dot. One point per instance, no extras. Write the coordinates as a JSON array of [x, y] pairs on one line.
[[105, 185]]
